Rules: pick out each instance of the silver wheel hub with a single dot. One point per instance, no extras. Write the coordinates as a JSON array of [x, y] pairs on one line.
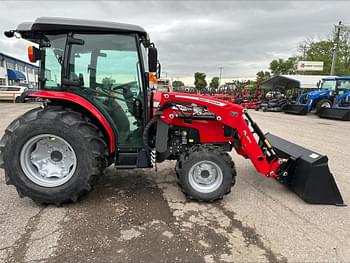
[[326, 105], [205, 176], [48, 160]]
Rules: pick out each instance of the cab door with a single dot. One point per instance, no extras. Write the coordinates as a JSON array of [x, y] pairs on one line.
[[107, 67]]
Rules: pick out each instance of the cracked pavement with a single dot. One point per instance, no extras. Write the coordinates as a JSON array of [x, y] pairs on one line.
[[141, 216]]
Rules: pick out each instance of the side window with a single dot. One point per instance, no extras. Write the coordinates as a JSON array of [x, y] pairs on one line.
[[80, 66], [118, 68], [53, 61], [344, 85]]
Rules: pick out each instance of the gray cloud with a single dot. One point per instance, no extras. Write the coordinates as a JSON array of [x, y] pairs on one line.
[[243, 37]]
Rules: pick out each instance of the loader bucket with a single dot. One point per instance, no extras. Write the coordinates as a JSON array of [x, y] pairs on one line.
[[334, 113], [309, 175], [295, 109]]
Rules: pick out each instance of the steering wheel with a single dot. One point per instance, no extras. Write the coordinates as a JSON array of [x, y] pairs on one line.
[[124, 86]]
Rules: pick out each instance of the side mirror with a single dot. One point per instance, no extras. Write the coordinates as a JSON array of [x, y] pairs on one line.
[[152, 59], [9, 33], [34, 54]]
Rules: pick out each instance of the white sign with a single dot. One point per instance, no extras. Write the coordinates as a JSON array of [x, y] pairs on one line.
[[310, 65]]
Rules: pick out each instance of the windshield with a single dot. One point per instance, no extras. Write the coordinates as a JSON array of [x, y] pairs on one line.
[[53, 61], [105, 62], [328, 84], [344, 85]]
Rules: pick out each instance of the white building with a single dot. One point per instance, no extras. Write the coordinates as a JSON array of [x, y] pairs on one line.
[[16, 72]]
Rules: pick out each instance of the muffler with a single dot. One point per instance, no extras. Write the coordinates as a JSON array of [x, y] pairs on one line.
[[334, 113], [295, 109], [308, 173]]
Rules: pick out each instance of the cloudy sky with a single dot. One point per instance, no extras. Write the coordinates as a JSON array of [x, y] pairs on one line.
[[241, 36]]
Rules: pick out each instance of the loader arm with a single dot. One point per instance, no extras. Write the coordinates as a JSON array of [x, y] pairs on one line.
[[304, 171], [257, 149]]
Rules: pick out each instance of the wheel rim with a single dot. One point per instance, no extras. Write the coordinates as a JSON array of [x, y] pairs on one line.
[[48, 160], [326, 104], [205, 177]]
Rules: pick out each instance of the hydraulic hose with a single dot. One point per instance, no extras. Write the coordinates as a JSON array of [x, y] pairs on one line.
[[146, 134]]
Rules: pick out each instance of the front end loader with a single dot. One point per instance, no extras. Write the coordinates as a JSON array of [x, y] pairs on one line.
[[340, 109], [99, 108]]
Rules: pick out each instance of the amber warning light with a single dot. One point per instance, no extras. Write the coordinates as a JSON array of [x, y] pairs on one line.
[[33, 54]]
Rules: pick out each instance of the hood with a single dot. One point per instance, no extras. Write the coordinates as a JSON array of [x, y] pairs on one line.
[[317, 93]]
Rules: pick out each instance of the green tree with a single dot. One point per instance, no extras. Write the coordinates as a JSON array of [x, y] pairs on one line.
[[214, 83], [108, 82], [178, 83], [320, 51], [199, 80], [323, 51], [284, 66], [262, 75], [241, 84]]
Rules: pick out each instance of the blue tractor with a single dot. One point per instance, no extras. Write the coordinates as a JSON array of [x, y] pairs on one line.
[[340, 109], [324, 97]]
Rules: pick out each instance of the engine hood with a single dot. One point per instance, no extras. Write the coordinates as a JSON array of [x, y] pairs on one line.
[[317, 93]]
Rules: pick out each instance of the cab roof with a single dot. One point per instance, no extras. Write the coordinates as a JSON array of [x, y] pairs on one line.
[[337, 78], [58, 24]]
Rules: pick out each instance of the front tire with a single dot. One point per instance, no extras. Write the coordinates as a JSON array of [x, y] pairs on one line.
[[53, 155], [324, 103], [205, 173]]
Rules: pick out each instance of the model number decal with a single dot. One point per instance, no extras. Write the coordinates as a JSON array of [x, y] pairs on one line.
[[221, 104], [246, 135]]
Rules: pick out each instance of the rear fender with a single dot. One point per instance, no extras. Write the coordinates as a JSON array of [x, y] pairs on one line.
[[80, 101]]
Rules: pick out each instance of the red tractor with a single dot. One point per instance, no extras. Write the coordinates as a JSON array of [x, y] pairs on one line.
[[97, 110]]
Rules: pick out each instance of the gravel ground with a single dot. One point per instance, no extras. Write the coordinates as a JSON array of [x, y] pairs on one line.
[[141, 216]]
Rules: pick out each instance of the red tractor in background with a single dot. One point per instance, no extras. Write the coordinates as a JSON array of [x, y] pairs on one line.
[[98, 109], [241, 97], [251, 101]]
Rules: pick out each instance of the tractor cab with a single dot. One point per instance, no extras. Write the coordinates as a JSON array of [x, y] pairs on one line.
[[338, 85], [104, 63]]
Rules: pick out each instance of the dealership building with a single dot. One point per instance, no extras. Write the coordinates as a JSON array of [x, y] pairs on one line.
[[16, 72]]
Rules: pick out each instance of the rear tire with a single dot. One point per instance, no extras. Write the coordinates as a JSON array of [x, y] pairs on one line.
[[84, 142], [19, 99], [324, 103], [205, 173]]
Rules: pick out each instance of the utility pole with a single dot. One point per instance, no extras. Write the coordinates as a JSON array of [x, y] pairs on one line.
[[221, 68], [304, 47], [304, 51], [336, 42]]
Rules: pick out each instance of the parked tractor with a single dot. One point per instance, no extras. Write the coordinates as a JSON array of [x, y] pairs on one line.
[[98, 110], [320, 98]]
